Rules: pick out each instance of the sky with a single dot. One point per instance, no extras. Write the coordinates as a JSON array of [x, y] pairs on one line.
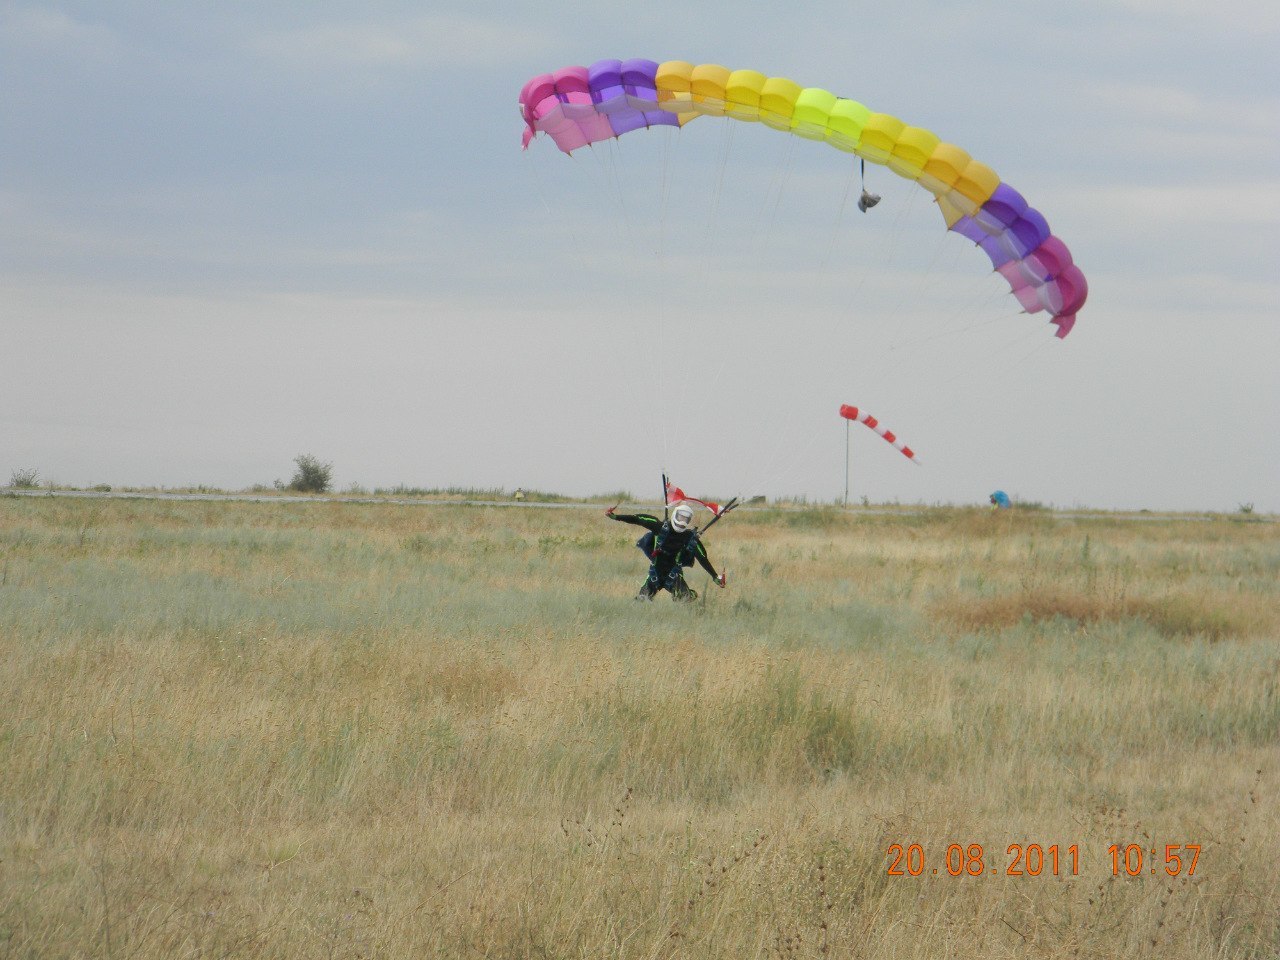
[[232, 233]]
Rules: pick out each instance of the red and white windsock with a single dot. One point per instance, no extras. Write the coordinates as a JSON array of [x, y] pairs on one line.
[[853, 413]]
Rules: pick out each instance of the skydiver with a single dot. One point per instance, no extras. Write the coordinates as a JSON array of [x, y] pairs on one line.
[[670, 546]]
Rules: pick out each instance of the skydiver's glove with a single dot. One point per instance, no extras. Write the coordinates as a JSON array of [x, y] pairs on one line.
[[720, 579], [609, 513]]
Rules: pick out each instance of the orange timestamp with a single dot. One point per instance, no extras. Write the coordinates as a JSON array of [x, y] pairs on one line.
[[1035, 859]]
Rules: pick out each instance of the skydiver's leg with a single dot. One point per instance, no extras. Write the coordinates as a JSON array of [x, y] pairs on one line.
[[651, 585], [660, 573], [674, 582]]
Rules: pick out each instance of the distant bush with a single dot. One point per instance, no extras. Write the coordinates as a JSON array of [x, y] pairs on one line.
[[24, 479], [312, 476], [1245, 508]]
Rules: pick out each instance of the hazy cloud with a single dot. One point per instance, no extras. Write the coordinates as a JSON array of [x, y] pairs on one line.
[[1255, 16], [1197, 114], [56, 33], [431, 42], [1144, 208]]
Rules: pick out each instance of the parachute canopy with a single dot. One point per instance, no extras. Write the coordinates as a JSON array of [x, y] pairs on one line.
[[577, 106], [861, 416]]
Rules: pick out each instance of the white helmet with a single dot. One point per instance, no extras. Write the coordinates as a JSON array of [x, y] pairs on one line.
[[681, 517]]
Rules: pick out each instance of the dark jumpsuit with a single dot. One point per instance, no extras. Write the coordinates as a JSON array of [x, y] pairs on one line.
[[668, 551]]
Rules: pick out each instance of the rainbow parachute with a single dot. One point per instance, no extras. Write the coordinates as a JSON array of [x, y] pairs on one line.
[[578, 106]]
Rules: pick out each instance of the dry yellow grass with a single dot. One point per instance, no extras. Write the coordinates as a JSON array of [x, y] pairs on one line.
[[278, 730]]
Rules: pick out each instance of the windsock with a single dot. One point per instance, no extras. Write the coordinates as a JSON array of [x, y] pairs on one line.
[[853, 413]]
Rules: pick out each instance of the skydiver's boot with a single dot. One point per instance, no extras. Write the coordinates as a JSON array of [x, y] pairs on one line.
[[647, 590]]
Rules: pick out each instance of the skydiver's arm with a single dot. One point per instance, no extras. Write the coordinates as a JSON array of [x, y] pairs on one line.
[[638, 519], [700, 554]]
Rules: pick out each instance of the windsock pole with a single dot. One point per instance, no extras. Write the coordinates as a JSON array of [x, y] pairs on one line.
[[846, 462]]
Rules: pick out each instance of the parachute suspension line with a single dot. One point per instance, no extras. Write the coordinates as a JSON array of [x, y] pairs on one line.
[[613, 166], [763, 231], [1043, 342], [895, 231], [661, 307], [784, 176], [982, 308], [903, 295], [589, 171], [884, 251], [1033, 369], [940, 244], [1014, 343], [773, 473], [1003, 351], [905, 292], [949, 334], [717, 189], [569, 223], [670, 150], [641, 234], [612, 175], [757, 235], [960, 320], [664, 190], [722, 293], [606, 172], [835, 232], [708, 295], [866, 201]]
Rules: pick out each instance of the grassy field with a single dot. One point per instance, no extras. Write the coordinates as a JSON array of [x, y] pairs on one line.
[[361, 730]]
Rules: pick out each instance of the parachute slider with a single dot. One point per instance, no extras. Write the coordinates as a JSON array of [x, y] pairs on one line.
[[868, 199]]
